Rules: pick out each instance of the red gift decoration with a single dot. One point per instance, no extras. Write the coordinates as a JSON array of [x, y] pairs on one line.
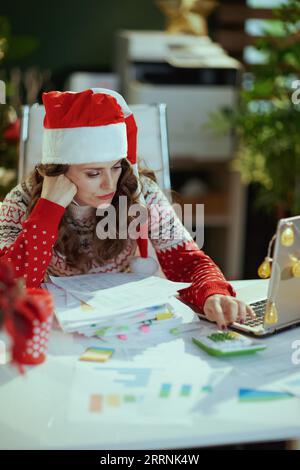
[[27, 317]]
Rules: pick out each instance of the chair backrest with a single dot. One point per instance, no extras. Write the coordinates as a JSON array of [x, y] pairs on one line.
[[152, 140]]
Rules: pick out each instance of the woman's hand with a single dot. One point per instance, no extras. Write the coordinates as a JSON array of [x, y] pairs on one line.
[[58, 189], [224, 310]]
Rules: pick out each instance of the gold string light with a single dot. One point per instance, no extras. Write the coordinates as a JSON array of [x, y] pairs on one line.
[[287, 236], [271, 314], [295, 265], [264, 270], [287, 239]]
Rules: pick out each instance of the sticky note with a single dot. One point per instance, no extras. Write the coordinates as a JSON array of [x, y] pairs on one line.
[[164, 316], [124, 328], [102, 331], [144, 328], [122, 337], [96, 354], [174, 331]]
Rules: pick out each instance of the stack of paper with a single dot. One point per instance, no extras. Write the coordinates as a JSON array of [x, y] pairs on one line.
[[114, 306]]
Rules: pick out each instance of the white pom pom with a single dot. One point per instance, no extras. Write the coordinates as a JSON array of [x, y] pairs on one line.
[[146, 266]]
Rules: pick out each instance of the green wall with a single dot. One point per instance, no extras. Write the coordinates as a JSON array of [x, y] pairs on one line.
[[77, 34]]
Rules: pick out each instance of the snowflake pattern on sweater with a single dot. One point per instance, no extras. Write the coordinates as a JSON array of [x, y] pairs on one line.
[[29, 243]]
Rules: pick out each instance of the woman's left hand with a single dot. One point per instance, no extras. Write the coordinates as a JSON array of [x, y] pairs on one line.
[[224, 310]]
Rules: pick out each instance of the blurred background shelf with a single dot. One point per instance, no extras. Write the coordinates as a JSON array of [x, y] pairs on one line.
[[155, 67], [224, 213]]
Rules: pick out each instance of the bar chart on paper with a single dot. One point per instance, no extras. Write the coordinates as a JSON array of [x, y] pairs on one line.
[[134, 394], [107, 393]]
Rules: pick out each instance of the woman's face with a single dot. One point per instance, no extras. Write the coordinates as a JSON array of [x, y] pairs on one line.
[[96, 182]]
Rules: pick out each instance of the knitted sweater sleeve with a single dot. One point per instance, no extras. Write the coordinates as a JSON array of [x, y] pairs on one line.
[[28, 244], [178, 254]]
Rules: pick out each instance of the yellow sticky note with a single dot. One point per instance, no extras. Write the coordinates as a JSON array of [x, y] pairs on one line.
[[164, 316], [96, 354]]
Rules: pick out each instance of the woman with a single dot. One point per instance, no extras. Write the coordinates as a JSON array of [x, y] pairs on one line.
[[49, 223]]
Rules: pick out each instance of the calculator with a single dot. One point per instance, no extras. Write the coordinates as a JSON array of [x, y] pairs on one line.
[[227, 343]]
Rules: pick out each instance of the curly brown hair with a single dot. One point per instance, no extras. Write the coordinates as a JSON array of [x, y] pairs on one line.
[[68, 243]]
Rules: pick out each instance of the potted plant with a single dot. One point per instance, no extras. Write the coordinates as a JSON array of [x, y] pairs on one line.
[[267, 118]]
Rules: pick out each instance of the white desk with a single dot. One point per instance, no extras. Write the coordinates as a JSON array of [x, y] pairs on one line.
[[33, 409]]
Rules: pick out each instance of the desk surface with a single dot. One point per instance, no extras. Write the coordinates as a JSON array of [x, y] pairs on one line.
[[33, 408]]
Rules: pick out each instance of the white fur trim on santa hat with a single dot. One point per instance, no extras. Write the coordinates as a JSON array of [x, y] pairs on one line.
[[85, 144]]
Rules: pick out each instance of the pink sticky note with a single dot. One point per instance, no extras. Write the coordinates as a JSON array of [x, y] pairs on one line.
[[122, 337], [145, 328]]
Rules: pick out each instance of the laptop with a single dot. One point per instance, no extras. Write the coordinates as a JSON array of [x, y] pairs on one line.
[[283, 296]]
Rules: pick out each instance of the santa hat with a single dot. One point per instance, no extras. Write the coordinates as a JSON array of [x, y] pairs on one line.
[[94, 126]]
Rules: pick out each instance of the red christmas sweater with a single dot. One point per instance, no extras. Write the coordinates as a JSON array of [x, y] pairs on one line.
[[28, 243]]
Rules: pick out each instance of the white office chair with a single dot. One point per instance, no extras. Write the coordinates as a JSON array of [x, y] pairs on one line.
[[152, 140]]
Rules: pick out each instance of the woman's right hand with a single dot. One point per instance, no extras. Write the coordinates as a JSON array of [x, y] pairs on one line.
[[59, 189]]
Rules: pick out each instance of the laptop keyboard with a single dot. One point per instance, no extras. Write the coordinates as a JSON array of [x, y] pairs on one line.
[[259, 309]]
